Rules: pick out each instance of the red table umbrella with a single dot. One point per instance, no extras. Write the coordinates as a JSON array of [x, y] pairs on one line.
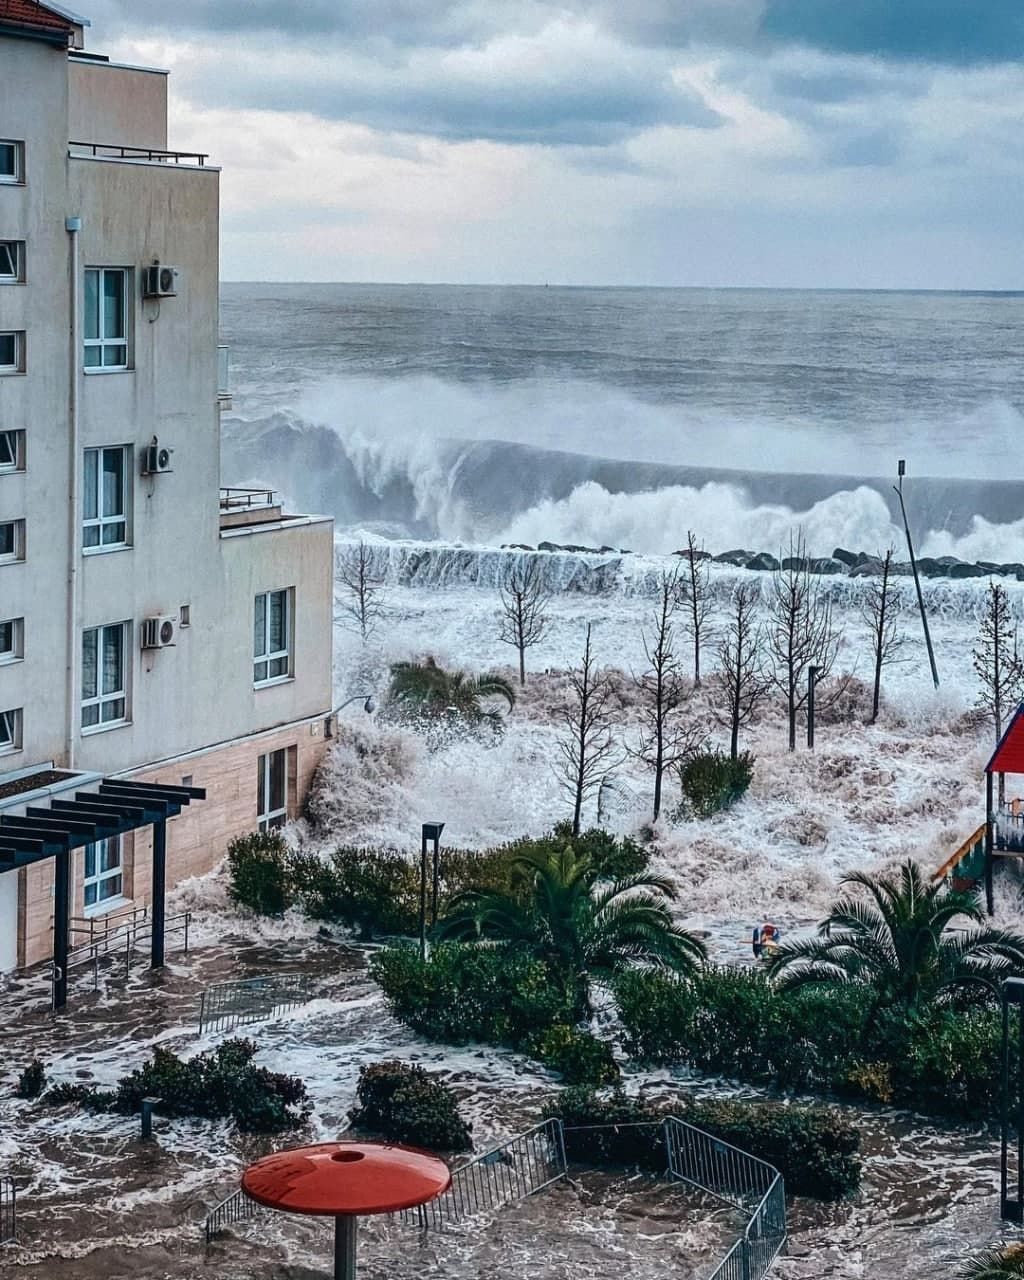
[[343, 1180]]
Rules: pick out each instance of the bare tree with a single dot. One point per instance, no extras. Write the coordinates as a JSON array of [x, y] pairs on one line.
[[881, 610], [698, 596], [744, 680], [588, 749], [665, 741], [524, 603], [359, 592], [997, 663], [800, 631]]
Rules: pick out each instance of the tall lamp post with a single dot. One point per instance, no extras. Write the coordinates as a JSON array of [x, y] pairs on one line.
[[902, 471], [812, 680], [431, 833], [1011, 1110]]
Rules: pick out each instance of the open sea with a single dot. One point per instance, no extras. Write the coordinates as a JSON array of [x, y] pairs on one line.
[[625, 416]]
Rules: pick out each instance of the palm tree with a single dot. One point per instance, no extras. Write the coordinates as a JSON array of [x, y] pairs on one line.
[[995, 1264], [899, 942], [586, 929], [427, 691]]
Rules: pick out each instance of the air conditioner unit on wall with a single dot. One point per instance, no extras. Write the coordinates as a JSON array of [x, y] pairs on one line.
[[156, 459], [159, 281], [158, 633]]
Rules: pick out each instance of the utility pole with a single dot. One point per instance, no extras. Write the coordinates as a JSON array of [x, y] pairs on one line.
[[917, 579]]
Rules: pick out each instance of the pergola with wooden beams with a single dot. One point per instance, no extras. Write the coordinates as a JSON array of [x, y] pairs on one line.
[[113, 809], [1008, 757]]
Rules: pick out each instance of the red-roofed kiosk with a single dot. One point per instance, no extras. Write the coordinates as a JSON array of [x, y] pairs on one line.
[[1004, 824], [343, 1180]]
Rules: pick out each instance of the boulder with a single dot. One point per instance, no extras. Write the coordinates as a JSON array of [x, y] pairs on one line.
[[869, 568], [737, 558], [698, 554], [929, 567], [826, 564], [516, 546], [1014, 570], [763, 561], [963, 570], [794, 562], [849, 558]]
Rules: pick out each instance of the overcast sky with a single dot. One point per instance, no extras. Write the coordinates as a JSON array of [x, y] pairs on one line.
[[857, 143]]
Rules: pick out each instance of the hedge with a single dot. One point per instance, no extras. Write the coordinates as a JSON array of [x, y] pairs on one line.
[[402, 1102], [814, 1148]]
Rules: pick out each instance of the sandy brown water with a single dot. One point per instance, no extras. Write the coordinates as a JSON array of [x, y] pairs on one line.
[[95, 1203]]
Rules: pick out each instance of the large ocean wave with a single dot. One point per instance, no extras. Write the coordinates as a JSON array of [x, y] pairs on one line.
[[460, 481]]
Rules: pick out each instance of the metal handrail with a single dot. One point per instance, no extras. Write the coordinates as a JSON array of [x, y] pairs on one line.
[[134, 927], [8, 1210], [141, 153], [232, 499], [237, 1207], [227, 1005]]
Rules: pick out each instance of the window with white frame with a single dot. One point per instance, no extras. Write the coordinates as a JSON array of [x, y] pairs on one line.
[[12, 540], [11, 643], [12, 450], [12, 351], [105, 676], [104, 873], [12, 261], [272, 637], [12, 160], [106, 318], [105, 498], [10, 730], [272, 790]]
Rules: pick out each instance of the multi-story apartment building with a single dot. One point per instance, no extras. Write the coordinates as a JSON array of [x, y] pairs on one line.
[[153, 627]]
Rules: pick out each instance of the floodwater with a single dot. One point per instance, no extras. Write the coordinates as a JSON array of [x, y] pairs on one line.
[[95, 1203]]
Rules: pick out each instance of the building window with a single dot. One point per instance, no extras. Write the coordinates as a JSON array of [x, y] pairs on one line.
[[104, 874], [12, 540], [10, 731], [105, 499], [271, 637], [106, 318], [12, 631], [12, 450], [105, 676], [272, 790], [12, 261], [12, 154], [12, 351]]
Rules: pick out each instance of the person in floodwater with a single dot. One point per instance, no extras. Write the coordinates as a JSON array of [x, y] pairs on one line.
[[765, 940]]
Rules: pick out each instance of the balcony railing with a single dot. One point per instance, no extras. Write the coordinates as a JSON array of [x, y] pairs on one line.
[[113, 151], [246, 499], [223, 373]]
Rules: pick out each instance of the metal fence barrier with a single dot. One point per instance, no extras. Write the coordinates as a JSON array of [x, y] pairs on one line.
[[740, 1180], [512, 1171], [236, 1207], [8, 1210], [236, 1004]]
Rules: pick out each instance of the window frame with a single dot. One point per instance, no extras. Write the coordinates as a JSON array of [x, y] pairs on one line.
[[7, 370], [19, 263], [102, 341], [102, 877], [16, 650], [271, 817], [11, 727], [106, 697], [267, 657], [18, 554], [17, 178], [18, 462], [101, 521]]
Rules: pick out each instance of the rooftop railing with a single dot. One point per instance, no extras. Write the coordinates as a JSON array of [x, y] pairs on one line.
[[245, 499], [114, 151]]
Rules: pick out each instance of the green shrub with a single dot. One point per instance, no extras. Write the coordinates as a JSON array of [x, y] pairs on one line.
[[814, 1148], [260, 873], [464, 993], [221, 1083], [577, 1055], [403, 1103], [712, 781], [32, 1081]]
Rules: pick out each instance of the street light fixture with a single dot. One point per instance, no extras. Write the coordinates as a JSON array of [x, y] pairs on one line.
[[812, 680], [369, 706], [431, 832], [901, 468]]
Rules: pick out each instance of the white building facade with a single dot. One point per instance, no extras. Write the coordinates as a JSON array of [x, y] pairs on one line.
[[153, 626]]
